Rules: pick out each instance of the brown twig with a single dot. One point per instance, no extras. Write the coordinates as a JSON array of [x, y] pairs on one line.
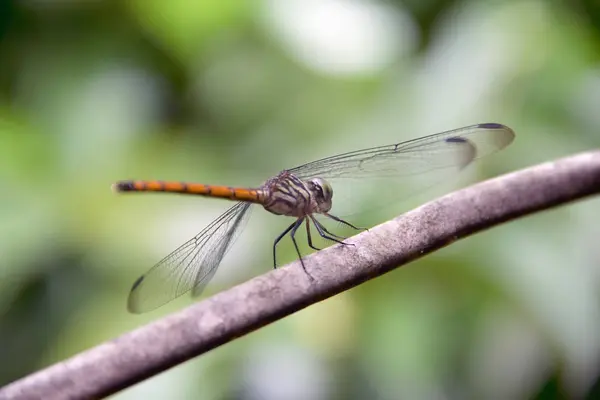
[[153, 348]]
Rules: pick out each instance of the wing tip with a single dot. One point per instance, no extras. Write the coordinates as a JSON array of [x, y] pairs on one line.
[[133, 301], [466, 157], [492, 125], [502, 140]]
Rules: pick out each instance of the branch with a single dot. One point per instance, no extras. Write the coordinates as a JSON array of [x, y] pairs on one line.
[[158, 346]]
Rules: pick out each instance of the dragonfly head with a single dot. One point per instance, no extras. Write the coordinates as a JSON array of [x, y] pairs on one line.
[[322, 193]]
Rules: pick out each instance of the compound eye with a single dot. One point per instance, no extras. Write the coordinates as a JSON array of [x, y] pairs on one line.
[[318, 189], [323, 188]]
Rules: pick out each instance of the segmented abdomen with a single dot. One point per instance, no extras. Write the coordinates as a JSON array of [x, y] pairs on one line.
[[223, 192]]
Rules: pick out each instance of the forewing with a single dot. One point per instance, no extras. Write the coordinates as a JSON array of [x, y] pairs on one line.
[[370, 178], [451, 149], [191, 266]]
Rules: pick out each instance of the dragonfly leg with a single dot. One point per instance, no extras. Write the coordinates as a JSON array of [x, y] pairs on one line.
[[309, 237], [333, 217], [325, 229], [294, 228], [324, 234], [289, 228]]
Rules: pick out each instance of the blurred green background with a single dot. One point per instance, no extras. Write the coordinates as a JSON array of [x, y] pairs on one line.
[[231, 92]]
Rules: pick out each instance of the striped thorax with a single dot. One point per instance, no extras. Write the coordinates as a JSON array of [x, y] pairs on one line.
[[286, 194]]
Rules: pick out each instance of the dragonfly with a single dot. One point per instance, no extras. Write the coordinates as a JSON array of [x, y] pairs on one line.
[[303, 193]]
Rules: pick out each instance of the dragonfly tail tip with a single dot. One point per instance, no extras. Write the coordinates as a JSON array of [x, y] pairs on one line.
[[122, 186]]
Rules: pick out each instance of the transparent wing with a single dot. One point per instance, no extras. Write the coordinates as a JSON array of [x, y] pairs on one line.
[[455, 148], [371, 178], [191, 266]]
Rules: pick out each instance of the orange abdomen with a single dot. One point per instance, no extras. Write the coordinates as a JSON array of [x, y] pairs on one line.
[[223, 192]]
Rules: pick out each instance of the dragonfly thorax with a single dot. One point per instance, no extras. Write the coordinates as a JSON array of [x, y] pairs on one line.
[[288, 195]]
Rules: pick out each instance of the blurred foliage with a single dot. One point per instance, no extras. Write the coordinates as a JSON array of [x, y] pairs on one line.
[[231, 92]]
